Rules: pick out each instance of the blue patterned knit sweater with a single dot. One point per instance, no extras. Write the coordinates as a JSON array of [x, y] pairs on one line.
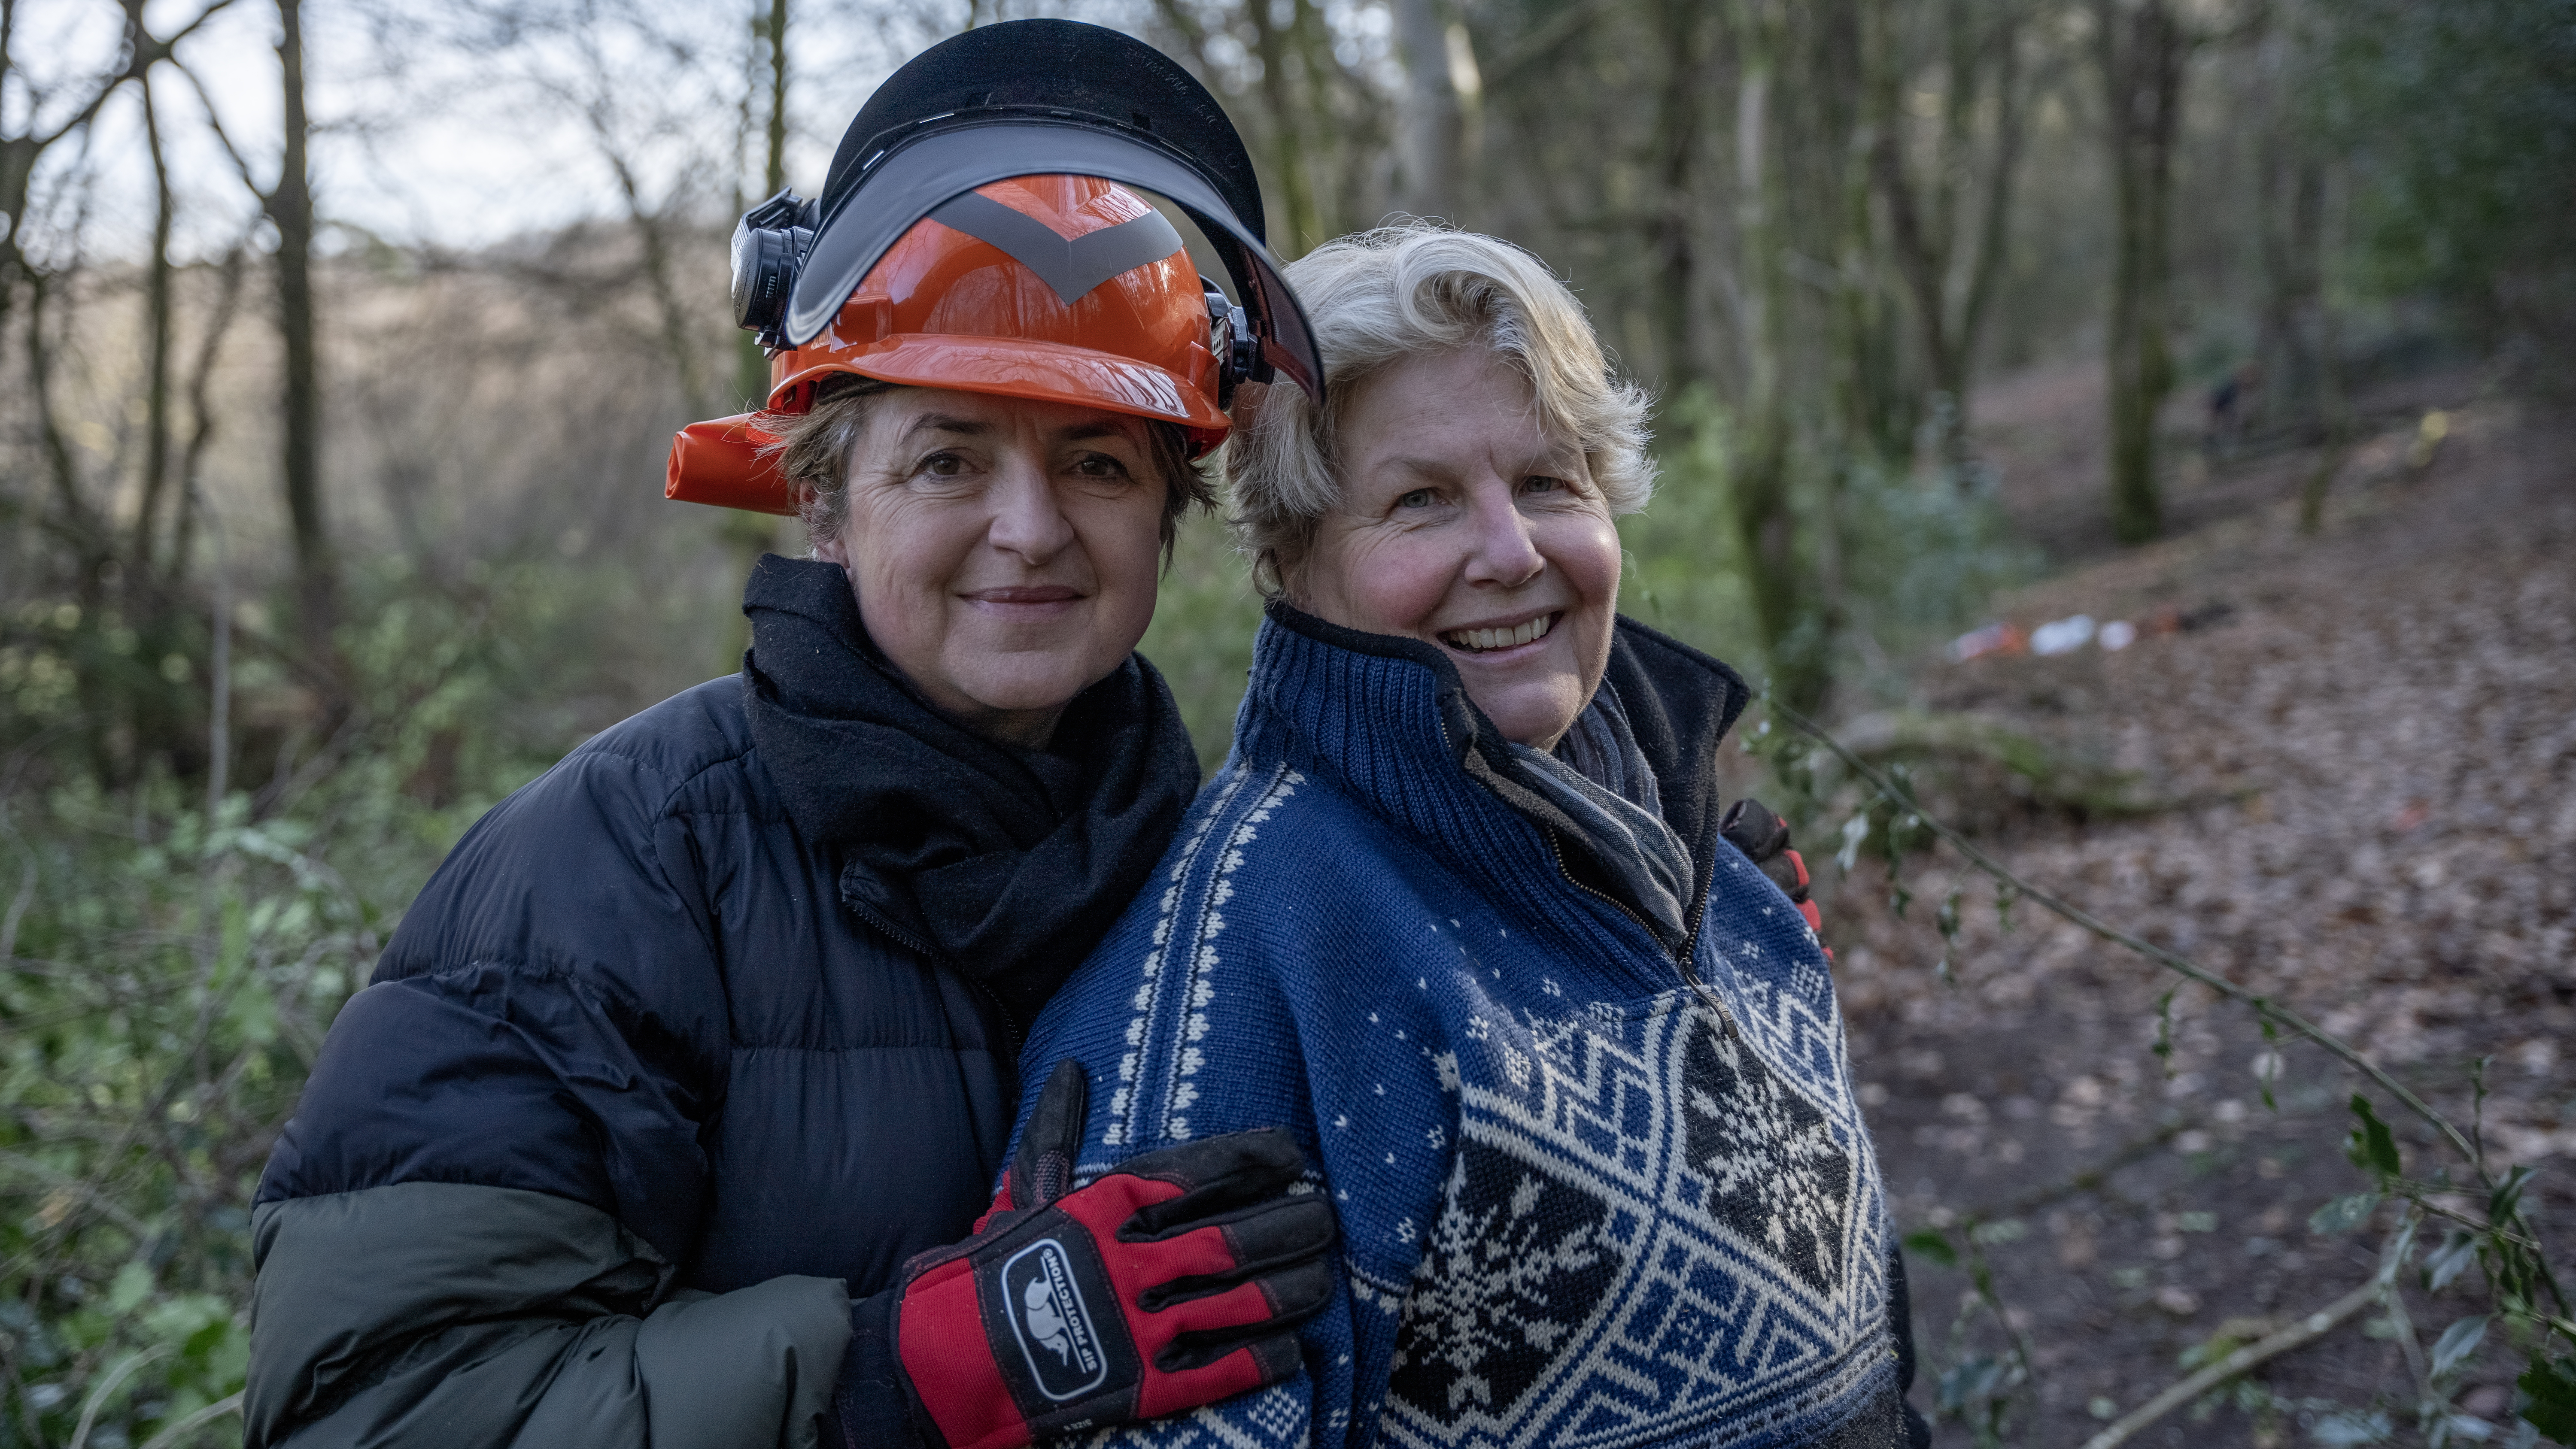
[[1584, 1201]]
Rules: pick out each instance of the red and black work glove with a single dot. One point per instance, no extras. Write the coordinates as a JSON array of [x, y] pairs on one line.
[[1174, 1281], [1764, 838]]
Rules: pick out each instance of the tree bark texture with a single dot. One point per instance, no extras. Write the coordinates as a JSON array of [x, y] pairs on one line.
[[290, 208], [156, 354], [1432, 126], [2290, 217], [1299, 228], [1674, 226], [1758, 472], [2141, 49]]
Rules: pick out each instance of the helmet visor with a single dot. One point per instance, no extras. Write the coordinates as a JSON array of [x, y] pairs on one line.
[[925, 170]]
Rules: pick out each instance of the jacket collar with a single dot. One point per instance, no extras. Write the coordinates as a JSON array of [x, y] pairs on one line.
[[1390, 719], [1007, 865]]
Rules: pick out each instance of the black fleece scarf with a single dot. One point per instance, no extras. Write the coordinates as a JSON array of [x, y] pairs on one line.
[[1003, 864]]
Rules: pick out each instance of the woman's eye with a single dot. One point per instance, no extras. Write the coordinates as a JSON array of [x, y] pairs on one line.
[[943, 465], [1099, 465], [1538, 484], [1418, 498]]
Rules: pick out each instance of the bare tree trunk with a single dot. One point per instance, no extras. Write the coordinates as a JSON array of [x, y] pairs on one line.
[[2337, 416], [75, 523], [201, 415], [1951, 310], [85, 533], [1843, 46], [1758, 473], [156, 348], [1431, 123], [1678, 128], [1994, 227], [1287, 134], [2290, 215], [2293, 323], [2142, 50], [769, 37], [1327, 92], [290, 207]]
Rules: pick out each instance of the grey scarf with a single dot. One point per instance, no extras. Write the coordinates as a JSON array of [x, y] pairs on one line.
[[1599, 777]]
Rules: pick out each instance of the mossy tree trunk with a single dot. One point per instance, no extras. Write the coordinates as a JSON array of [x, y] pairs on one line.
[[290, 209], [2141, 49]]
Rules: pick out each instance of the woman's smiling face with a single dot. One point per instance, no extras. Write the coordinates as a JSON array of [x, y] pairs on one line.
[[1464, 525], [1003, 551]]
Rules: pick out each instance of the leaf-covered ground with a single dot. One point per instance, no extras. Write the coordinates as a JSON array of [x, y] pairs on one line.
[[2366, 756]]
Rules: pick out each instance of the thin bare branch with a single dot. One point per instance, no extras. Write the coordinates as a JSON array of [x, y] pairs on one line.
[[2181, 965], [2301, 1332]]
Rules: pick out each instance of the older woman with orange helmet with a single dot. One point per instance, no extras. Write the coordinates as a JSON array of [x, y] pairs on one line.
[[671, 1115]]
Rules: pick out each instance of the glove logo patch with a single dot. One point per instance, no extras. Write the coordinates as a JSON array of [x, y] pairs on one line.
[[1051, 1321]]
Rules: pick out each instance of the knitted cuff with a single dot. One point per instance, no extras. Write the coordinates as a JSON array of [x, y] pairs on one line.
[[873, 1402]]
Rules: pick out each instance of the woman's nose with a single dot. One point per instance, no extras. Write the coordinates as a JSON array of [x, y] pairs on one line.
[[1028, 518], [1503, 550]]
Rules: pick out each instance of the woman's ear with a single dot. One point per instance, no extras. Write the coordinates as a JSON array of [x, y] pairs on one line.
[[832, 549]]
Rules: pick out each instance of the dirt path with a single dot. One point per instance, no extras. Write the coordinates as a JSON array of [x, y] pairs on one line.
[[2380, 724]]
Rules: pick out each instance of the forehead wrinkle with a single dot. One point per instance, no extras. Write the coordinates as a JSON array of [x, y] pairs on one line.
[[1106, 427], [948, 423]]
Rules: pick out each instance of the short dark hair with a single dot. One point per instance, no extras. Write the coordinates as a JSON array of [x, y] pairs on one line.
[[813, 452]]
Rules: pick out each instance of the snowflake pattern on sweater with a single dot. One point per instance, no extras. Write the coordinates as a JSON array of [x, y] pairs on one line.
[[1584, 1201]]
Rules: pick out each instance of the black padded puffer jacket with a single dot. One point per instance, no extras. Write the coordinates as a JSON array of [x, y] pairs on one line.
[[634, 1107]]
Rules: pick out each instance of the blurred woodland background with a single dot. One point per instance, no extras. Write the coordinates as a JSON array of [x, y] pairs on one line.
[[341, 344]]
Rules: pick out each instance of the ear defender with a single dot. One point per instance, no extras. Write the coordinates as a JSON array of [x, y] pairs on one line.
[[769, 245]]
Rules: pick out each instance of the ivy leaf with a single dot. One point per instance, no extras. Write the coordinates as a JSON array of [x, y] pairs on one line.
[[2371, 1145], [2457, 1342], [2343, 1214], [2506, 1201], [1932, 1244], [2552, 1387], [2459, 1249]]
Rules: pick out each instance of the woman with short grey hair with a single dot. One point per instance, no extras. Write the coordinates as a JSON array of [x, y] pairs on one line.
[[1464, 912]]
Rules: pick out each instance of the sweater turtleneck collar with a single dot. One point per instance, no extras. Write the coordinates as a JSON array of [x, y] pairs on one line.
[[1005, 864], [1389, 718]]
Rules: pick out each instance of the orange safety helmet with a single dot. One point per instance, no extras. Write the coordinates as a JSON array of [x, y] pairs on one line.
[[1058, 286], [1064, 289]]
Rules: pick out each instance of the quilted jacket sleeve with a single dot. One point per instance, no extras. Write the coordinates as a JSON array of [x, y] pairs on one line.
[[466, 1234], [429, 1313]]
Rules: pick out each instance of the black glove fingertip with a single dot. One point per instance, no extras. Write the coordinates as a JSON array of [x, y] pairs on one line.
[[1043, 1167], [1298, 1292], [1296, 1228]]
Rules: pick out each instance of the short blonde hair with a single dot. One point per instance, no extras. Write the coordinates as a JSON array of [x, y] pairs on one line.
[[1376, 297]]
